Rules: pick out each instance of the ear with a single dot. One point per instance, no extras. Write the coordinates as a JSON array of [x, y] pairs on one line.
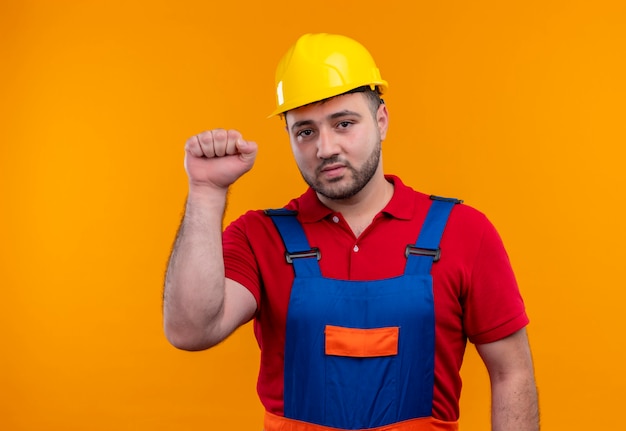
[[382, 119]]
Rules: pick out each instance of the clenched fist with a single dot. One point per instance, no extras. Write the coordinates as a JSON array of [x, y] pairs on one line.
[[217, 158]]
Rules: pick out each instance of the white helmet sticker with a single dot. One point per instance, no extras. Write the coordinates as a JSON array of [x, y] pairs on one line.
[[279, 93]]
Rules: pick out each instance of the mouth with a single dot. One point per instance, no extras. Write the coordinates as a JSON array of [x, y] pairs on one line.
[[331, 167], [332, 171]]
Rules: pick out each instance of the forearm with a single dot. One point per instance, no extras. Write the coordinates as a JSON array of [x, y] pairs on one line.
[[514, 403], [193, 297]]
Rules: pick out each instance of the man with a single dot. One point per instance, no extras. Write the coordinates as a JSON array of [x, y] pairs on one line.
[[363, 291]]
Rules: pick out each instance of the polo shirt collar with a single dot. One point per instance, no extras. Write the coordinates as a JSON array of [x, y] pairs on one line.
[[401, 205]]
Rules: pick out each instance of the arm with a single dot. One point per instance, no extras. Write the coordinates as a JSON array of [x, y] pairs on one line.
[[200, 306], [514, 395]]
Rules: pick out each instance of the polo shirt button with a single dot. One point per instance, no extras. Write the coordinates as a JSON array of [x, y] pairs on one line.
[[356, 248], [336, 219]]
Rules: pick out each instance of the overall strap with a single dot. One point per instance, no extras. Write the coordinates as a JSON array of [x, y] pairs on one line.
[[298, 251], [426, 251]]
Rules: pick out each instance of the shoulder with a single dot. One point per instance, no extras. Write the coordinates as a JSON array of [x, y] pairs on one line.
[[256, 226], [471, 234], [467, 216], [252, 227], [465, 223]]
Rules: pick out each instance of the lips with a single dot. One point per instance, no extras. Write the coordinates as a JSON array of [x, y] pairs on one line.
[[332, 167], [333, 171]]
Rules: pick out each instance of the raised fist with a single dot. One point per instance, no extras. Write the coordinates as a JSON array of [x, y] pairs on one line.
[[217, 158]]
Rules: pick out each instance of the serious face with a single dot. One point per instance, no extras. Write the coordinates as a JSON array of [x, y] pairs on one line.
[[337, 144]]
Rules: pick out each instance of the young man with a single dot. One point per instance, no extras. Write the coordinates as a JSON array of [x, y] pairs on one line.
[[363, 291]]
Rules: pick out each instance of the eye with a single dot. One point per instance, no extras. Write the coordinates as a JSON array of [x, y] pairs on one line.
[[305, 133], [344, 124]]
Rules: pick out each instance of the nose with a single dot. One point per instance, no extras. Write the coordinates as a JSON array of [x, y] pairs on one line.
[[327, 145]]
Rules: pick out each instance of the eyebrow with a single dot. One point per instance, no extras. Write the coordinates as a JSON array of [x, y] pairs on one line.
[[333, 116]]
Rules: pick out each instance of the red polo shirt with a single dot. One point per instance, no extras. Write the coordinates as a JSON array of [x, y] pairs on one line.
[[476, 295]]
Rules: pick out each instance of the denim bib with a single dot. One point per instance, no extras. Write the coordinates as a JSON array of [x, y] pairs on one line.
[[360, 354]]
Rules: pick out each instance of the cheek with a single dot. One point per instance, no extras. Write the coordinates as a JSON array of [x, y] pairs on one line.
[[303, 152], [299, 156]]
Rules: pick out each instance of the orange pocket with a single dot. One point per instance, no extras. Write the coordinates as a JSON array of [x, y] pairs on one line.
[[361, 343]]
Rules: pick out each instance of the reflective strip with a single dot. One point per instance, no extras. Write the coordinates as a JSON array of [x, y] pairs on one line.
[[361, 343], [279, 423]]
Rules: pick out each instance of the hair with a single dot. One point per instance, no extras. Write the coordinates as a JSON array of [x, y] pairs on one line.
[[372, 95]]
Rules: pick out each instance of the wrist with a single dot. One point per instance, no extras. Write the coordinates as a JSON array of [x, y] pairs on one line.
[[208, 197], [204, 191]]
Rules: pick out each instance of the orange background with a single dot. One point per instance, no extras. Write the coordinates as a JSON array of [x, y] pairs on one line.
[[516, 107]]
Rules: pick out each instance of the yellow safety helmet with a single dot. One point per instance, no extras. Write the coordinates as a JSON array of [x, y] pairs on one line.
[[319, 66]]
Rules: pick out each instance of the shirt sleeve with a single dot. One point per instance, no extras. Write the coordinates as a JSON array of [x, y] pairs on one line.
[[240, 264], [494, 307]]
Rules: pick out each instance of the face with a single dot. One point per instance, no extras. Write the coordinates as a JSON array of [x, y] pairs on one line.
[[337, 144]]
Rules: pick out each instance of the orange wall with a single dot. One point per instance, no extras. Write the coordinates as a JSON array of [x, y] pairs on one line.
[[517, 107]]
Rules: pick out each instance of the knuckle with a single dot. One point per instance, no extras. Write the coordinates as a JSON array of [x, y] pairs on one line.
[[219, 134], [234, 134]]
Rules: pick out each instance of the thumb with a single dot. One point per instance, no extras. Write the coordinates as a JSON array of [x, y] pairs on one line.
[[247, 149]]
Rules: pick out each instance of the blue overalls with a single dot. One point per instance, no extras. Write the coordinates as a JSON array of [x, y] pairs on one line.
[[360, 354]]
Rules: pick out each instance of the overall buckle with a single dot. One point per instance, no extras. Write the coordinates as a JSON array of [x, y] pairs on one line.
[[314, 252], [418, 251]]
